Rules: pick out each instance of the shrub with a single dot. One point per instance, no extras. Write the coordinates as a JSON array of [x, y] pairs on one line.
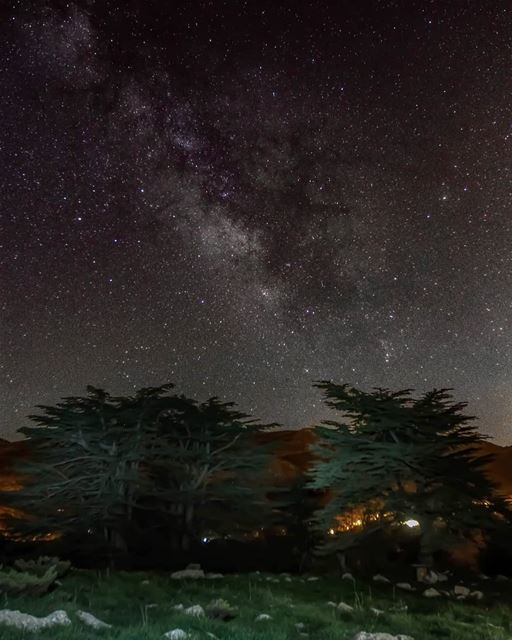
[[14, 582], [40, 566]]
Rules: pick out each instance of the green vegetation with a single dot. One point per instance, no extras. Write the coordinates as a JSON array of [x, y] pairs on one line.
[[21, 582], [157, 480], [142, 605], [396, 458], [40, 566], [107, 470]]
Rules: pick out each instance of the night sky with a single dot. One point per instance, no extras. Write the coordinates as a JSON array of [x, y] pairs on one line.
[[245, 197]]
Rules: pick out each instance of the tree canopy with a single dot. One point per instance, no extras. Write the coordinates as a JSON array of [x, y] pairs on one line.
[[396, 458]]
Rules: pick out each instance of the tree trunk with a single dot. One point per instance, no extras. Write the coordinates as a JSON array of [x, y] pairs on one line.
[[341, 556], [426, 555], [188, 518]]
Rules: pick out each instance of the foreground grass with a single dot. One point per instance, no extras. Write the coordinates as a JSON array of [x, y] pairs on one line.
[[140, 606]]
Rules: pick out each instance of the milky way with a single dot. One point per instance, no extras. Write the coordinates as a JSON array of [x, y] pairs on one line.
[[246, 197]]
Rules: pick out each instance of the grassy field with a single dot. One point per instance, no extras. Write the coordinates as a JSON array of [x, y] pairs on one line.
[[141, 606]]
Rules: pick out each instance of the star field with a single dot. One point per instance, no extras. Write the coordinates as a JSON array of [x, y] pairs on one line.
[[245, 197]]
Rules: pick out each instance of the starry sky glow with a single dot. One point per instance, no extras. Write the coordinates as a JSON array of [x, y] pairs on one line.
[[243, 197]]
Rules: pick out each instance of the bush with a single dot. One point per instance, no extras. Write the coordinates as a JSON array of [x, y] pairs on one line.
[[14, 582], [40, 566]]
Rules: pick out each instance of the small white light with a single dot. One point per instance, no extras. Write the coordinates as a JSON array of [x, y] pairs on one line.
[[411, 523]]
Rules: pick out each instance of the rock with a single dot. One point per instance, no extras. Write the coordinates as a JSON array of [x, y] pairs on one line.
[[195, 610], [220, 609], [193, 571], [27, 622], [461, 590], [331, 604], [429, 576], [178, 607], [214, 576], [300, 626], [262, 616], [431, 593], [501, 578], [376, 612], [144, 583], [92, 621], [287, 579], [348, 576], [313, 578], [176, 634], [366, 635], [344, 607], [405, 586], [477, 595], [379, 578], [482, 576]]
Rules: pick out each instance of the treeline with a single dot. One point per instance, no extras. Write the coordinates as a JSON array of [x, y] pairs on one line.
[[120, 477]]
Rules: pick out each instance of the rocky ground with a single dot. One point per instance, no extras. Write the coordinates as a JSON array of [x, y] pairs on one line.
[[194, 605]]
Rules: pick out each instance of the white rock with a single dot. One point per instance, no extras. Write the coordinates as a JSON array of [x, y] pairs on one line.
[[313, 578], [379, 578], [214, 576], [331, 604], [482, 576], [366, 635], [193, 574], [501, 578], [262, 616], [431, 593], [433, 577], [376, 612], [300, 626], [195, 610], [344, 607], [461, 590], [176, 634], [178, 607], [27, 622], [144, 583], [92, 621], [405, 586], [477, 595], [287, 579], [348, 576]]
